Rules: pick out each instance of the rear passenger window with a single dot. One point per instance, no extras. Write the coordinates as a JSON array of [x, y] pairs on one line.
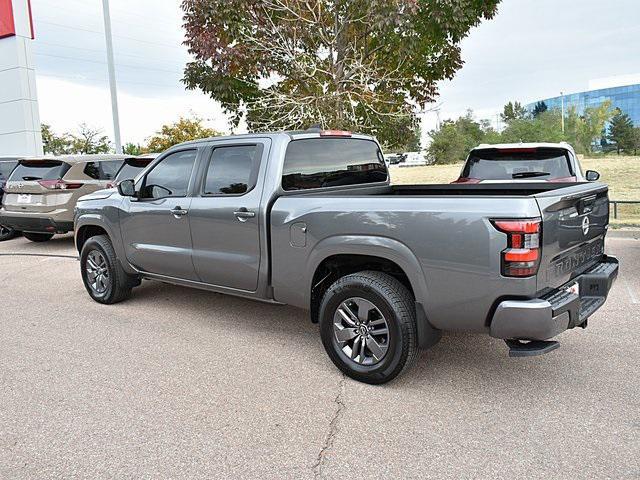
[[105, 170], [332, 162], [232, 170], [170, 177]]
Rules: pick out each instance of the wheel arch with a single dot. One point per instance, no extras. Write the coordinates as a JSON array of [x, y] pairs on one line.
[[85, 232], [92, 224], [338, 256]]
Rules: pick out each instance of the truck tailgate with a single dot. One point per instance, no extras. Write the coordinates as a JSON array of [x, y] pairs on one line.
[[575, 221]]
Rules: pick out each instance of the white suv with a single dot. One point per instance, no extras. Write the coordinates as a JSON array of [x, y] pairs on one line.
[[524, 162]]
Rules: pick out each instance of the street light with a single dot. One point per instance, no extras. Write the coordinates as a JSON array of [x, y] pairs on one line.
[[562, 102], [112, 76]]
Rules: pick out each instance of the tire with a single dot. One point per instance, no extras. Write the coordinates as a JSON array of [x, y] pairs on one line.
[[7, 233], [114, 285], [393, 306], [38, 237]]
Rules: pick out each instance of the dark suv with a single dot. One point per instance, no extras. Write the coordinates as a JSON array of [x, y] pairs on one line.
[[7, 164]]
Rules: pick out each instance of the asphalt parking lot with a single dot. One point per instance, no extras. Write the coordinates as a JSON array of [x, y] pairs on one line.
[[180, 383]]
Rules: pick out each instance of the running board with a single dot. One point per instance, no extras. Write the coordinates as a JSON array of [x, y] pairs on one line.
[[518, 348]]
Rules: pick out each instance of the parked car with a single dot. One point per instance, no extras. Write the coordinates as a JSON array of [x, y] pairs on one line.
[[309, 219], [7, 164], [395, 158], [414, 159], [41, 193], [131, 167], [524, 162]]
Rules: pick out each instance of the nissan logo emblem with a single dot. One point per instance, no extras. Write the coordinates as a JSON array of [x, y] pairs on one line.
[[585, 225]]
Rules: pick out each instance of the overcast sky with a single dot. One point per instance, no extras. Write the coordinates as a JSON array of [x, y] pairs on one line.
[[532, 49]]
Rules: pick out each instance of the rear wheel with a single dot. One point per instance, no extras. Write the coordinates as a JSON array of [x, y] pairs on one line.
[[38, 237], [7, 233], [368, 326], [103, 276]]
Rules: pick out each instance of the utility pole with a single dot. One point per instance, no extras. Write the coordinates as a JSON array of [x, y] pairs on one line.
[[562, 119], [112, 76]]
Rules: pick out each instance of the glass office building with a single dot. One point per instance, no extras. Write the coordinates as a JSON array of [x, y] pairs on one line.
[[626, 98]]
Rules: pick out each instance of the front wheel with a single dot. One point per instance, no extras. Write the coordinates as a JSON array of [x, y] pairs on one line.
[[368, 326], [38, 237], [103, 276], [7, 233]]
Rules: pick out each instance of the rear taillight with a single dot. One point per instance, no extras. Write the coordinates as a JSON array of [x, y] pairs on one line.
[[517, 150], [335, 133], [521, 258], [466, 180], [59, 185]]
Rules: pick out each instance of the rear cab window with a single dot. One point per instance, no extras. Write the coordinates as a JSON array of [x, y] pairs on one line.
[[523, 163], [330, 162], [232, 170], [34, 170]]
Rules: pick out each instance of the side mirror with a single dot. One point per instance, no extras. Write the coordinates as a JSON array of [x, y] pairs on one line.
[[592, 175], [127, 188]]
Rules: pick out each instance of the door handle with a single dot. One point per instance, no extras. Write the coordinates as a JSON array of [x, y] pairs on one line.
[[243, 214], [179, 212]]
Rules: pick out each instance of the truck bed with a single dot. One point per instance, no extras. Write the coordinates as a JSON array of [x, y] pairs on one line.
[[521, 189], [447, 232], [490, 189]]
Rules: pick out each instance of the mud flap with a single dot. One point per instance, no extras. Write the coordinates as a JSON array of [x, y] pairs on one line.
[[427, 335]]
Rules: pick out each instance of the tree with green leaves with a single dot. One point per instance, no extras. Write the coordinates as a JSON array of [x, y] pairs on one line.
[[636, 140], [539, 108], [133, 149], [513, 111], [591, 126], [55, 144], [399, 134], [544, 127], [621, 131], [347, 64], [89, 140], [183, 130], [453, 140]]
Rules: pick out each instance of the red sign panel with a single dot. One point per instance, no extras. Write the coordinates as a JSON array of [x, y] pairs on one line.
[[7, 25], [33, 33]]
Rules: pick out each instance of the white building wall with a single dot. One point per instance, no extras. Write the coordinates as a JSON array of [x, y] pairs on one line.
[[19, 116]]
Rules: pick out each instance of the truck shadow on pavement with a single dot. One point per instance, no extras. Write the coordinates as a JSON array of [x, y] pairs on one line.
[[467, 360], [59, 244], [470, 361]]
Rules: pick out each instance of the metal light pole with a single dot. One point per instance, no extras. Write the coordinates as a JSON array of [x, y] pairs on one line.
[[562, 119], [112, 76]]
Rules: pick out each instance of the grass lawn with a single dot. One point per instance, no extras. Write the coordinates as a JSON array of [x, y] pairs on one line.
[[621, 173]]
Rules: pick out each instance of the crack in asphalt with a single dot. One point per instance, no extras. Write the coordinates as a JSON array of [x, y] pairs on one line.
[[333, 429]]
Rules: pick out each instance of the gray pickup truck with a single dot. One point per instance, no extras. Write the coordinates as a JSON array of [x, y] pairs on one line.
[[310, 219]]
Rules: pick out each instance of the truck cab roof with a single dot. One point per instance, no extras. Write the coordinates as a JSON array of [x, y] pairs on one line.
[[290, 134]]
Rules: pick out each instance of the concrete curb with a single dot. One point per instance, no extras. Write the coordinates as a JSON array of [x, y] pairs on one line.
[[623, 234]]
